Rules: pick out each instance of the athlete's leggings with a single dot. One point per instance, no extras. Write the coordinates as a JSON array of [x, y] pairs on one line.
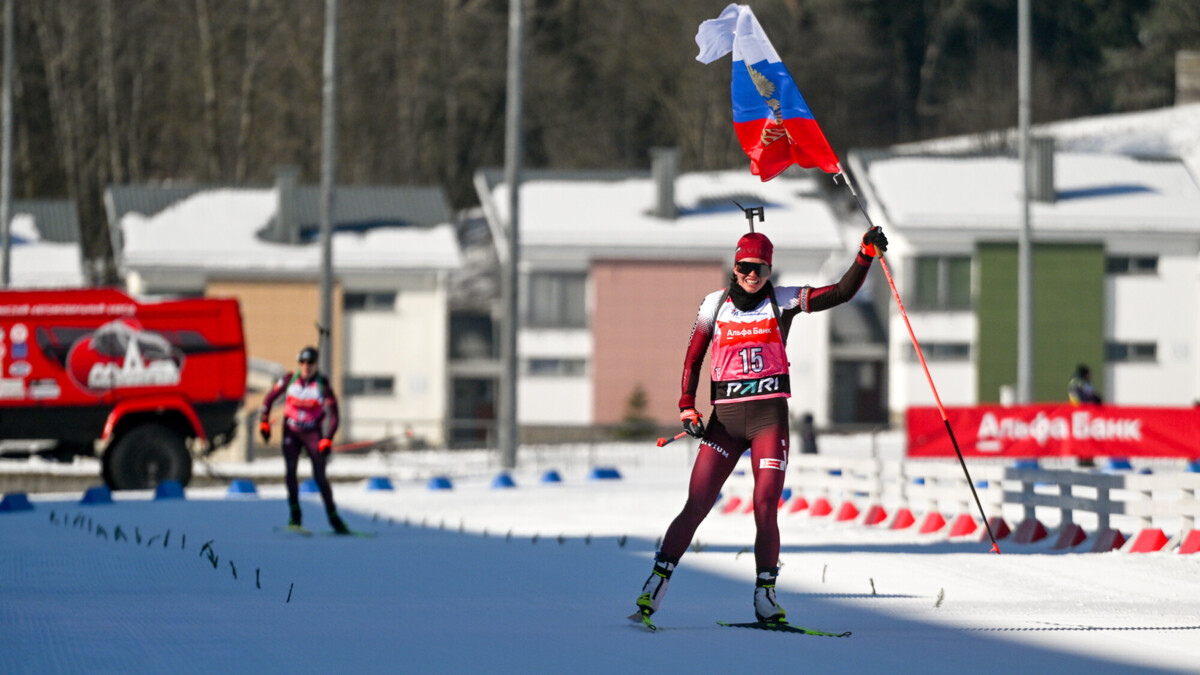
[[762, 427], [293, 443]]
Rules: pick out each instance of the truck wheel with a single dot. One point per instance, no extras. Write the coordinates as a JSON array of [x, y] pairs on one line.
[[146, 456]]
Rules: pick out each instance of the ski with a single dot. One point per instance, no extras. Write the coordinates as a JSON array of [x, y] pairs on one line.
[[782, 627], [643, 619], [295, 529]]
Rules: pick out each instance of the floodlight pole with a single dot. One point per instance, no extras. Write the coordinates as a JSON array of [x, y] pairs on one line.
[[509, 427], [6, 179], [328, 167], [1024, 239]]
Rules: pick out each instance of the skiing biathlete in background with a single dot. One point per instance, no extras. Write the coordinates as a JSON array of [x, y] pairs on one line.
[[310, 419], [747, 325]]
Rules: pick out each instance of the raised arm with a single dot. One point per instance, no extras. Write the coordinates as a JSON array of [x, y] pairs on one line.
[[826, 297]]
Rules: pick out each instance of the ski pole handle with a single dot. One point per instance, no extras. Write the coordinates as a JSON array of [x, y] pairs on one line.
[[664, 441]]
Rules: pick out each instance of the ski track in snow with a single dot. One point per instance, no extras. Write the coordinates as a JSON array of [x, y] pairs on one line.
[[432, 593]]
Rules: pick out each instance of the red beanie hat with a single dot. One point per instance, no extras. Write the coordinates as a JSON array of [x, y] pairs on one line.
[[753, 245]]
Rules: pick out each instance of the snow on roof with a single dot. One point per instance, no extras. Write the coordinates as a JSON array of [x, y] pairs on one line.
[[217, 229], [565, 212], [1109, 172], [1172, 132], [42, 264], [1110, 191]]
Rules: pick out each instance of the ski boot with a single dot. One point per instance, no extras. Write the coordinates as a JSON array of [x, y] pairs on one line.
[[294, 520], [656, 585], [336, 523], [766, 609]]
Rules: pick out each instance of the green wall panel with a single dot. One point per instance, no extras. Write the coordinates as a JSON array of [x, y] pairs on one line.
[[1068, 317], [996, 312]]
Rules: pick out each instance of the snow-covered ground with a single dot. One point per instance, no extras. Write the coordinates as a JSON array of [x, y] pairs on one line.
[[540, 578]]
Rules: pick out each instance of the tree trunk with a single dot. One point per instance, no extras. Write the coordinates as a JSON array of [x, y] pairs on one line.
[[246, 98], [108, 86], [208, 80]]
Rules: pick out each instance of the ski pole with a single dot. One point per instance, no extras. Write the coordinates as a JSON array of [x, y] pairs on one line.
[[921, 357], [665, 441]]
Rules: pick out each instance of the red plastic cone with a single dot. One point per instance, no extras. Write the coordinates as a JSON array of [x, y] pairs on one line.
[[1108, 540], [1029, 531], [875, 515], [1191, 542], [932, 523], [847, 511], [904, 519], [999, 529], [1070, 536], [1148, 541], [963, 524], [820, 507]]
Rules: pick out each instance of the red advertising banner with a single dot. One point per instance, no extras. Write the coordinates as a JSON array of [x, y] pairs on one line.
[[1056, 430]]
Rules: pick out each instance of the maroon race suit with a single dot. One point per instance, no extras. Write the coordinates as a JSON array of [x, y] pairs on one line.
[[750, 389], [310, 414]]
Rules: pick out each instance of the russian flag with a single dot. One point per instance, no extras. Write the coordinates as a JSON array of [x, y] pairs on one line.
[[770, 117]]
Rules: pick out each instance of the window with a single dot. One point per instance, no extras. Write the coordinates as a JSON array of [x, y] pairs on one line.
[[471, 336], [555, 367], [374, 301], [942, 282], [1147, 264], [941, 351], [558, 300], [1139, 352], [370, 386]]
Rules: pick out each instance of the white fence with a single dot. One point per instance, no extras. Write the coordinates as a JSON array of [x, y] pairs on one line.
[[1165, 499]]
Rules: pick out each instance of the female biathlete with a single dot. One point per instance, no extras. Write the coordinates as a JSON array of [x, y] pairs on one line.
[[747, 326]]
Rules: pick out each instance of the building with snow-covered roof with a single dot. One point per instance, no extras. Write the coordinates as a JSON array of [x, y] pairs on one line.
[[394, 249], [614, 265], [45, 246], [1116, 267]]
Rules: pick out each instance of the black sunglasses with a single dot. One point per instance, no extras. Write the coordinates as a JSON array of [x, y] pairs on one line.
[[309, 362], [747, 267]]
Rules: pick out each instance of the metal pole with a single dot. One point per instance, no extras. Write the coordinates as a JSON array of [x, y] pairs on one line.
[[1024, 239], [6, 179], [509, 426], [328, 166]]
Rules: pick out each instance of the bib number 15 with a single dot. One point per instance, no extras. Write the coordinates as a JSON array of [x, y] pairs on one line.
[[752, 360]]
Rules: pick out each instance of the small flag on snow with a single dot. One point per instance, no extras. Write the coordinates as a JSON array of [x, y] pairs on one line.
[[770, 117]]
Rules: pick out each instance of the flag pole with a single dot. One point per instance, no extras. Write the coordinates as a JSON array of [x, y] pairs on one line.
[[921, 357]]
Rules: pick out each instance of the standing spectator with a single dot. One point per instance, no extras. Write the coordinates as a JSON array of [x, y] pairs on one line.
[[808, 435], [1080, 389], [310, 419]]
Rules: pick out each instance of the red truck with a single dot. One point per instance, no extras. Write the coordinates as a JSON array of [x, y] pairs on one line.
[[142, 385]]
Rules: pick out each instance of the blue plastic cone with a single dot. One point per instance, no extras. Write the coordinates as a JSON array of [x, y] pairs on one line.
[[169, 489], [98, 494], [379, 483], [15, 501], [242, 487]]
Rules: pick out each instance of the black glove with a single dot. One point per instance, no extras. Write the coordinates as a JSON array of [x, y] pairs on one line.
[[264, 430], [874, 242], [693, 422]]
